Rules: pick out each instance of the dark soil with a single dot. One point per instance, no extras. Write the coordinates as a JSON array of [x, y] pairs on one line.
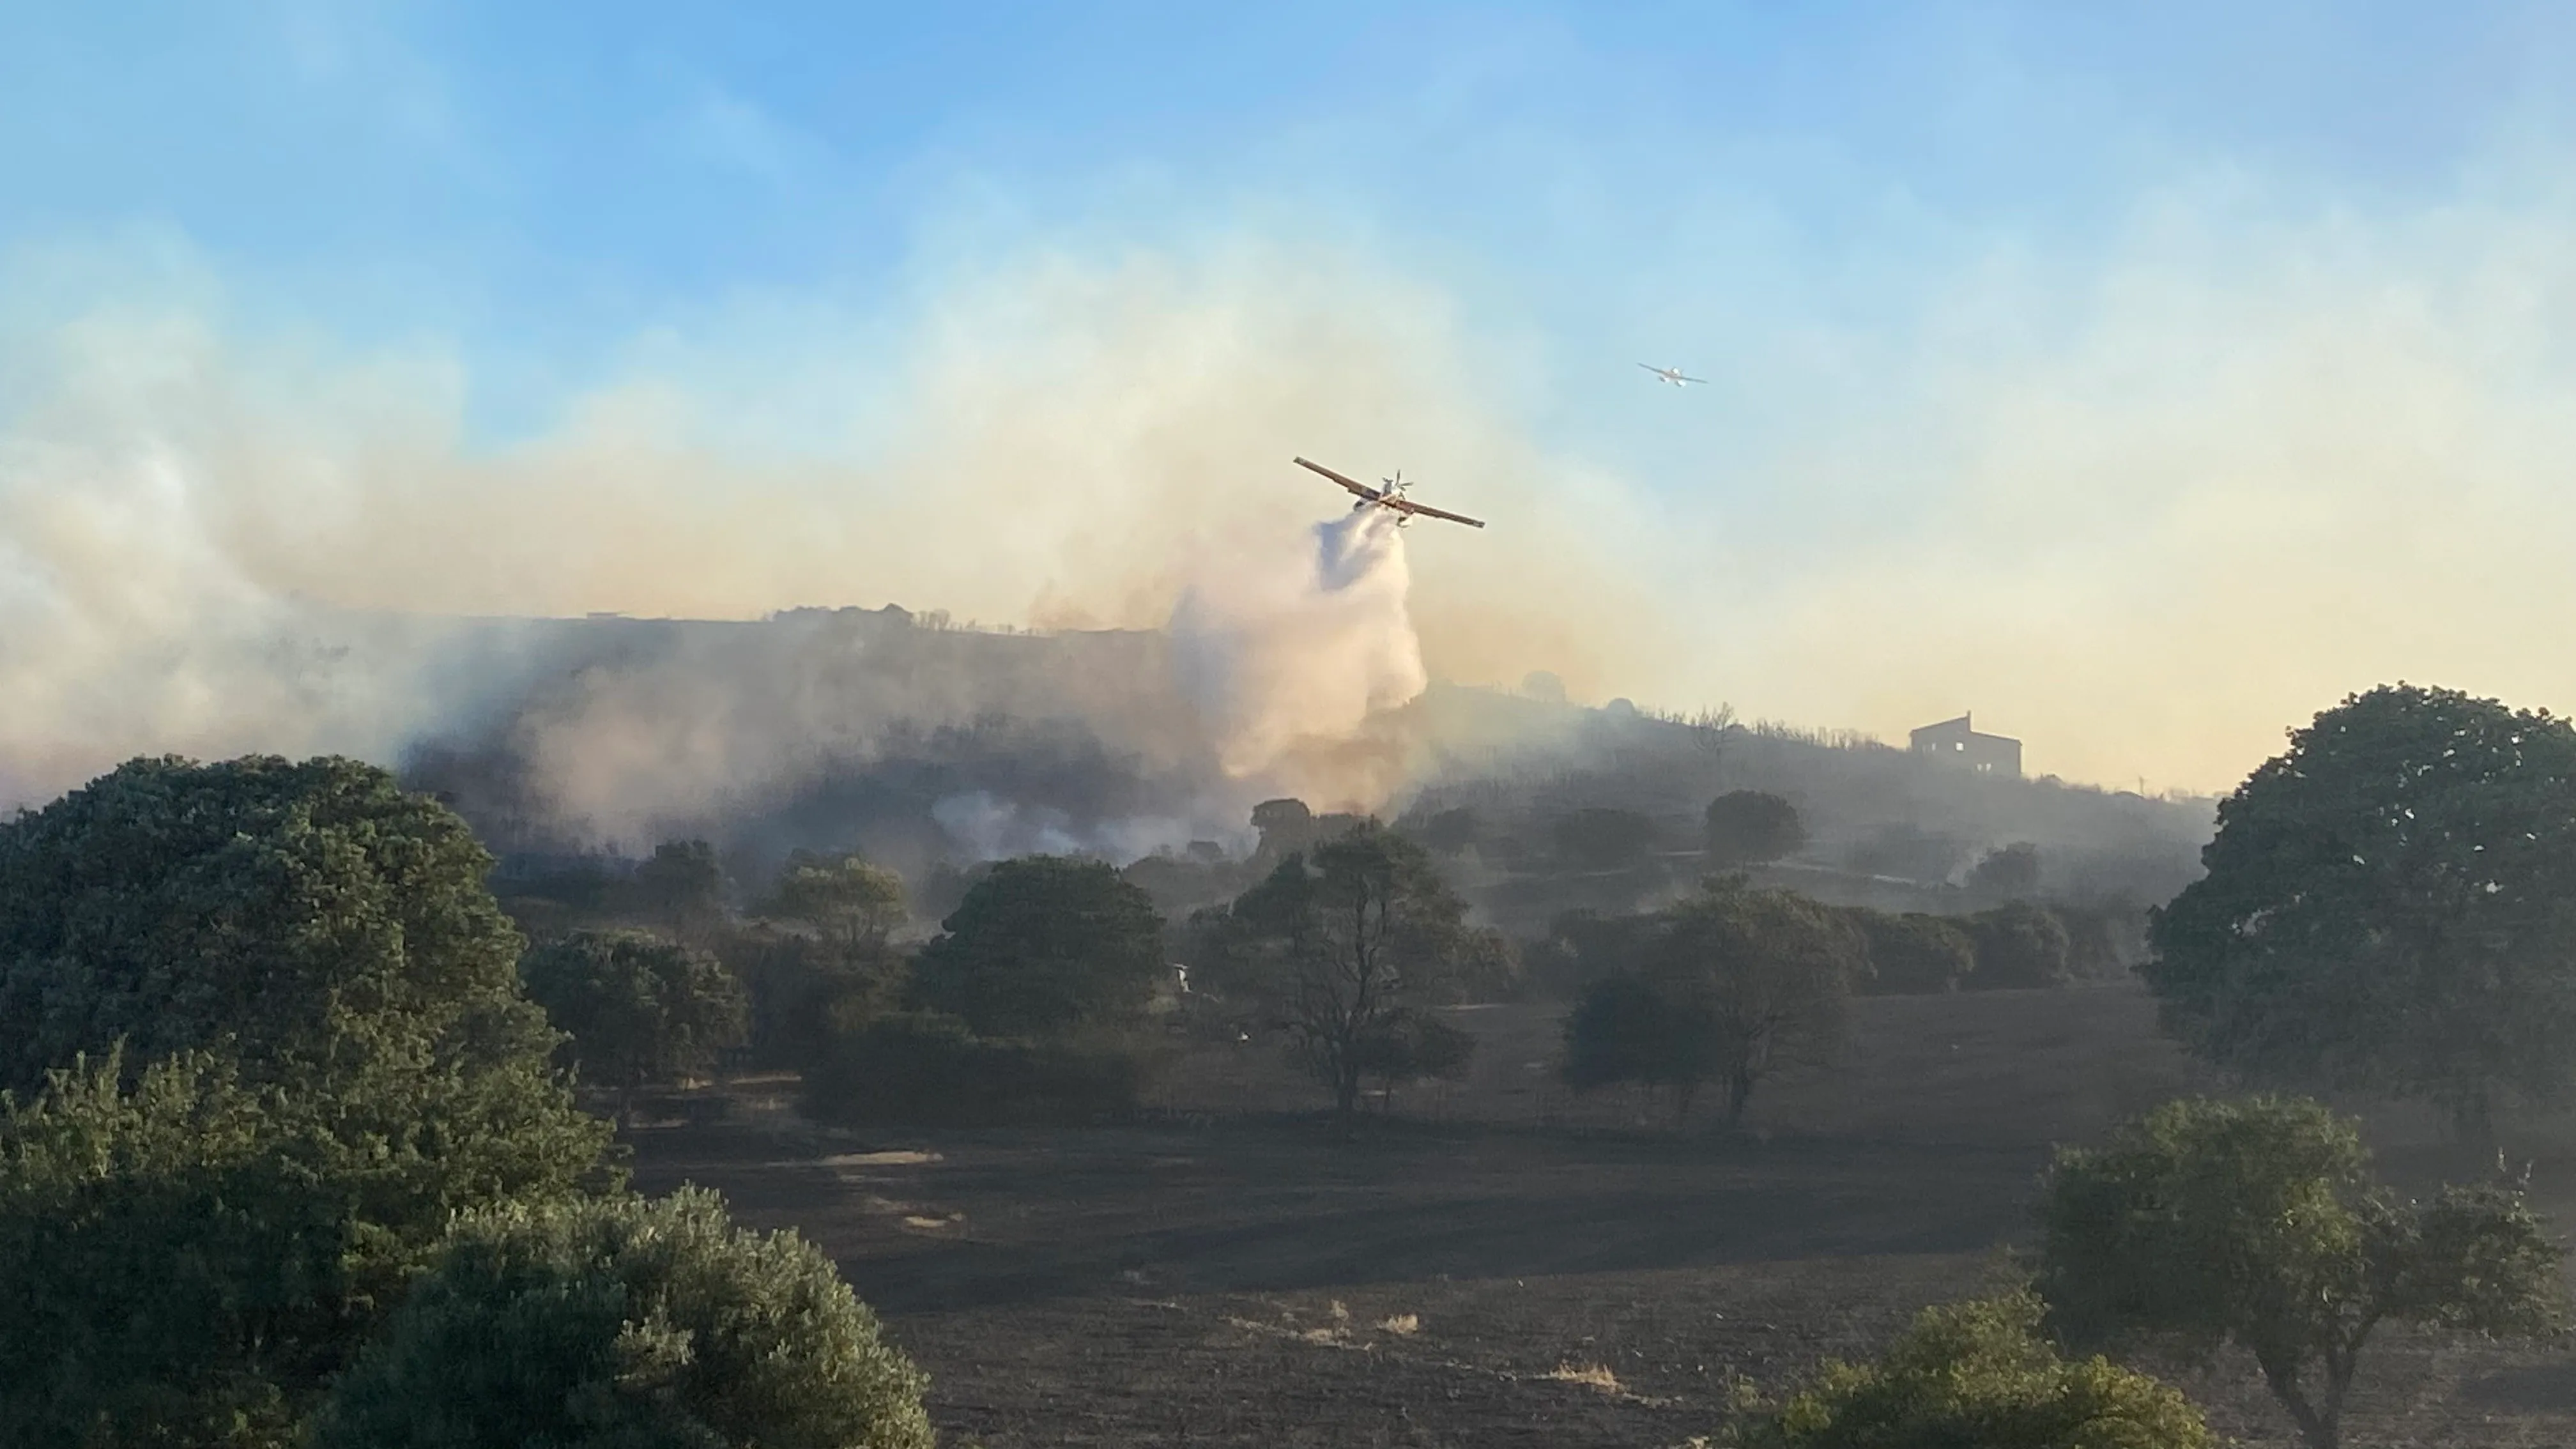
[[1520, 1268]]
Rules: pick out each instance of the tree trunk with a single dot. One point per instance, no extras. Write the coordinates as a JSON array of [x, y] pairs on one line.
[[2320, 1427], [1739, 1090]]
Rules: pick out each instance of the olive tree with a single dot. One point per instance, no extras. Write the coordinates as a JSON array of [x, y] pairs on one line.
[[1979, 1374], [1041, 945], [1736, 984], [638, 1007], [1751, 827], [628, 1324], [2258, 1225], [854, 904], [262, 1035], [2390, 905], [1339, 943]]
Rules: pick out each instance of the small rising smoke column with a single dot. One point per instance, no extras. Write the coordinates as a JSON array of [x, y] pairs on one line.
[[1279, 652]]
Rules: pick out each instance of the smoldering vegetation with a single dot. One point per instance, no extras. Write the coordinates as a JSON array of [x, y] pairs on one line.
[[930, 747]]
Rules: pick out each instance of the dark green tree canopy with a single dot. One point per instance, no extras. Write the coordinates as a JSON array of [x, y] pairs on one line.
[[639, 1007], [2011, 872], [1044, 944], [1980, 1375], [1749, 827], [1338, 941], [854, 903], [2258, 1225], [682, 886], [628, 1324], [2390, 905], [2019, 946], [1599, 838], [279, 910], [186, 1258], [1914, 954], [1735, 984]]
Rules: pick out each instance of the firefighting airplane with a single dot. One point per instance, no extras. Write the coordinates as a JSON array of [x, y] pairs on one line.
[[1673, 375], [1390, 497]]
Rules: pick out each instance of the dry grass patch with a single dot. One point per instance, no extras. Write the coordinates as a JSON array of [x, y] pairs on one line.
[[1403, 1325], [1590, 1375]]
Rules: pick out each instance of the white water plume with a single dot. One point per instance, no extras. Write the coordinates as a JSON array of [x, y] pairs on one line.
[[1281, 656]]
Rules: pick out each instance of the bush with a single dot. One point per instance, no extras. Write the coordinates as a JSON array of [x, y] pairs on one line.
[[1978, 1376], [924, 1068], [2019, 946], [1914, 954], [1044, 944], [1598, 838], [639, 1008], [188, 1259], [1748, 827], [2258, 1224], [628, 1325]]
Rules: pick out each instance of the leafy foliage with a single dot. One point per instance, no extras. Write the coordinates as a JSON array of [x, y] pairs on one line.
[[287, 913], [187, 1258], [1411, 1046], [1044, 944], [1749, 827], [853, 903], [1979, 1374], [2019, 946], [2011, 872], [1914, 954], [2390, 905], [1736, 984], [628, 1324], [2257, 1224], [326, 1054], [682, 886], [1598, 838], [639, 1008], [1338, 942]]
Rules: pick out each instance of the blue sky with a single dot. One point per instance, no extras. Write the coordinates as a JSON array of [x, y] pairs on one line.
[[1882, 230]]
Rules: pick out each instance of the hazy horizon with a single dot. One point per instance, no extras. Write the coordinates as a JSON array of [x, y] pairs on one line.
[[2143, 381]]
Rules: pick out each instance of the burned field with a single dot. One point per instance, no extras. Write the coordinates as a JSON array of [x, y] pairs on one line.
[[1495, 1267]]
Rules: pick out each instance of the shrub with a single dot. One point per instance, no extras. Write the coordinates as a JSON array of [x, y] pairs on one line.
[[1914, 954], [1748, 827], [628, 1324], [1978, 1376], [639, 1008], [928, 1069], [2018, 946], [2257, 1224], [1044, 944]]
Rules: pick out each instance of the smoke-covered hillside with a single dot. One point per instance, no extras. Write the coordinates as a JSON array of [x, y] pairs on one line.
[[921, 743]]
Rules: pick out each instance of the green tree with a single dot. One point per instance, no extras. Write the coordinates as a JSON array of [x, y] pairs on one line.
[[1411, 1046], [284, 912], [1044, 944], [1597, 838], [2011, 873], [187, 1258], [2258, 1224], [852, 903], [2390, 905], [373, 1068], [1915, 954], [1340, 940], [628, 1324], [639, 1008], [2019, 946], [681, 886], [1979, 1375], [1749, 827], [1737, 984]]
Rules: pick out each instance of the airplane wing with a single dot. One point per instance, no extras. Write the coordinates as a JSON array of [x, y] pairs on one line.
[[1425, 510], [1361, 489], [1695, 379], [1650, 367]]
